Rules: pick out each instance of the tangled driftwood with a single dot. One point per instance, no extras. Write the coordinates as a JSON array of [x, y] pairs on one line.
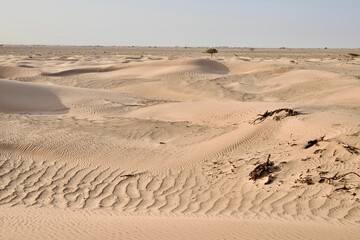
[[351, 149], [263, 169], [287, 111], [336, 177]]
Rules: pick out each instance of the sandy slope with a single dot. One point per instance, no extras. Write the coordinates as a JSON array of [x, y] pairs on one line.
[[35, 224], [149, 147]]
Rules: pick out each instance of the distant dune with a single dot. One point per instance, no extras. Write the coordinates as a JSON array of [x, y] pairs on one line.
[[160, 146]]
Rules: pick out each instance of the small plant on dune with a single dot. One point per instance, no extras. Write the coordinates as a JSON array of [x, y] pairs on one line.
[[211, 51], [353, 55]]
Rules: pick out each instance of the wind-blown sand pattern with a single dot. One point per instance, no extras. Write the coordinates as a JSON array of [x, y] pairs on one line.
[[160, 146]]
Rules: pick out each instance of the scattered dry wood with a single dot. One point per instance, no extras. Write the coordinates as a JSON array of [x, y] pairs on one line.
[[263, 169], [344, 188], [336, 177], [323, 172], [308, 180], [287, 112], [357, 133], [319, 151], [351, 149], [311, 143]]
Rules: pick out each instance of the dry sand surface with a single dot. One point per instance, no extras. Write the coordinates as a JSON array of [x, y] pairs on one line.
[[158, 143]]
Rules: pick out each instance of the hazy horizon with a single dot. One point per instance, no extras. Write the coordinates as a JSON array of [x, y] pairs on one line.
[[259, 23]]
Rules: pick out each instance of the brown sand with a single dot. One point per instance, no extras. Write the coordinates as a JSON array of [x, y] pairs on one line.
[[137, 143]]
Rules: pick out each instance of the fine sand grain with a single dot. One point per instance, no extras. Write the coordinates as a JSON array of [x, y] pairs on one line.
[[136, 143]]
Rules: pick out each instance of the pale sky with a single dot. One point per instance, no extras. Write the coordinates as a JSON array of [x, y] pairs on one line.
[[233, 23]]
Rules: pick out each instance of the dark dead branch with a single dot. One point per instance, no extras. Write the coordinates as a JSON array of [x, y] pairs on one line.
[[131, 175], [308, 180], [263, 169], [344, 188], [311, 143], [336, 177], [276, 113], [351, 149], [344, 175]]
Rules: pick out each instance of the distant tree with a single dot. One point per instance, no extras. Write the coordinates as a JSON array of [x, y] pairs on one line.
[[211, 51]]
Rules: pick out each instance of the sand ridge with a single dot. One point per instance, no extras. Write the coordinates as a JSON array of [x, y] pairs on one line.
[[172, 140]]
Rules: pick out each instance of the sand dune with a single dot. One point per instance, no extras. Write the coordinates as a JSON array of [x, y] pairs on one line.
[[154, 147], [17, 72], [27, 97], [152, 68], [34, 98]]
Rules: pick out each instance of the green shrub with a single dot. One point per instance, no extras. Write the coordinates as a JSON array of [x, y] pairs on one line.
[[211, 51]]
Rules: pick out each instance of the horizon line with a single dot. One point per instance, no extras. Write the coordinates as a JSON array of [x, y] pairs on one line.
[[170, 46]]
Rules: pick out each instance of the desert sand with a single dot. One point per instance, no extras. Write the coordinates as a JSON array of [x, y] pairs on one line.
[[158, 143]]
